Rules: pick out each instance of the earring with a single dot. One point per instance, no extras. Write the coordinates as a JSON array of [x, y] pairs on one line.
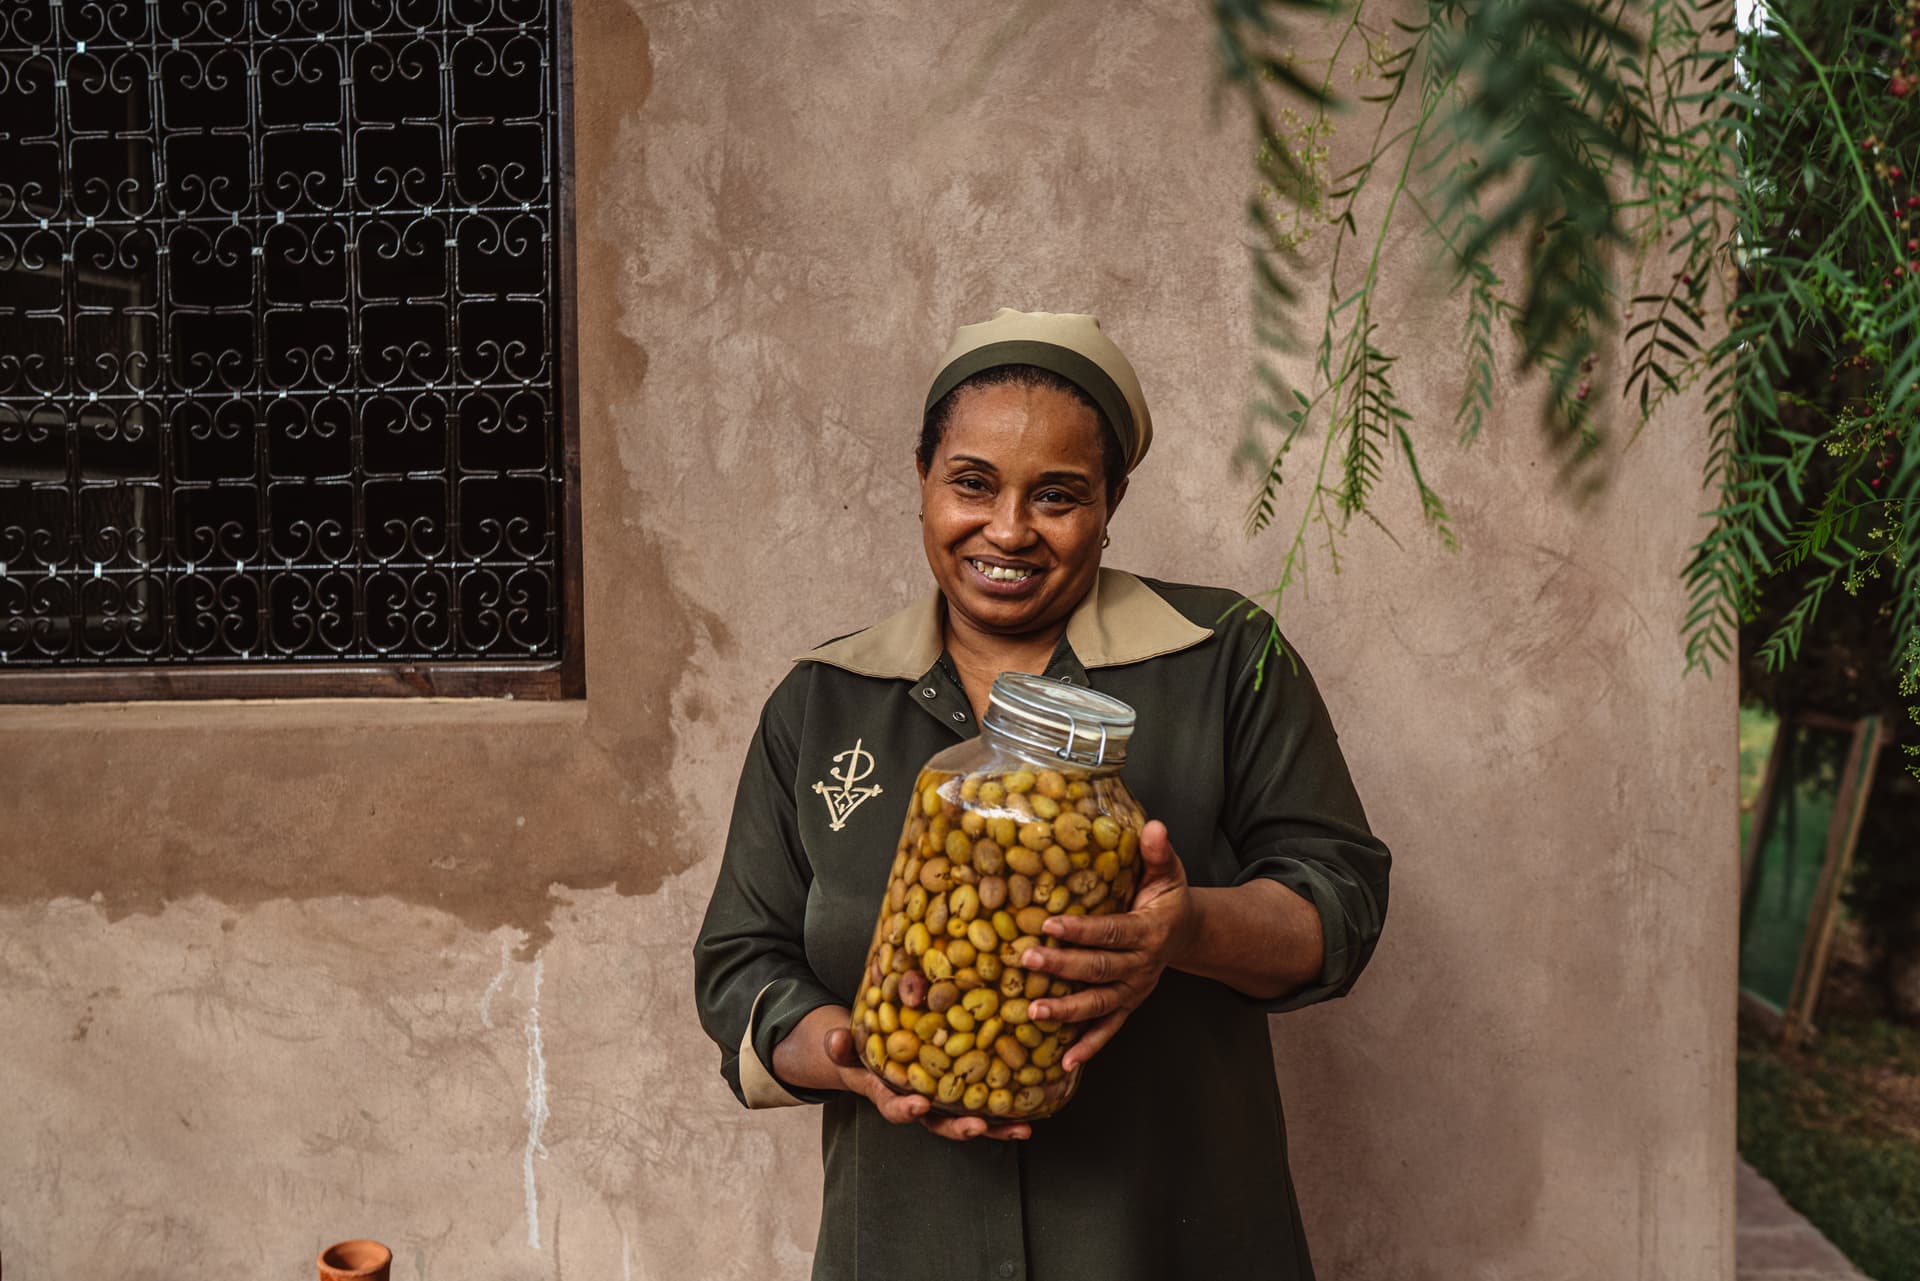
[[920, 516], [1105, 539]]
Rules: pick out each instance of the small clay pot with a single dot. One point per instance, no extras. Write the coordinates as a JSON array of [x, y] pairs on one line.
[[355, 1261]]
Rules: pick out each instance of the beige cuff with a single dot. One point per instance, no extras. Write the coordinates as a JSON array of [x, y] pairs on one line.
[[758, 1085]]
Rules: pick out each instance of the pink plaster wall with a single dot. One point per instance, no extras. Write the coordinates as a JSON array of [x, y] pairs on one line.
[[277, 974]]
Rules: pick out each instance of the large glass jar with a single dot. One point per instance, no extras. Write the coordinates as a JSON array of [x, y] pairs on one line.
[[1026, 821]]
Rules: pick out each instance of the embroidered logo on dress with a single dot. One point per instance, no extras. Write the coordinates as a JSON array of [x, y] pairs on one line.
[[845, 799]]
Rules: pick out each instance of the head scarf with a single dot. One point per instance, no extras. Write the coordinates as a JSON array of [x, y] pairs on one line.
[[1068, 344]]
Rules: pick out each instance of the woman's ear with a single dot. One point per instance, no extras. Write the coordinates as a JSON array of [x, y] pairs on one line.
[[1113, 504]]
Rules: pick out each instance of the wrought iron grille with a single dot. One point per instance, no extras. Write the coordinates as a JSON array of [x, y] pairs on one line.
[[281, 341]]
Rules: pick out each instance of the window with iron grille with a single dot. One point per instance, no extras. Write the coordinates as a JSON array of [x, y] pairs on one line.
[[286, 349]]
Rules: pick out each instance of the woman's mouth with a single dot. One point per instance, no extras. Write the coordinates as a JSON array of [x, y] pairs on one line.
[[1007, 575]]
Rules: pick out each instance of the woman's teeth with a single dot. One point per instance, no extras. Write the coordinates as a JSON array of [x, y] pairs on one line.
[[1002, 573]]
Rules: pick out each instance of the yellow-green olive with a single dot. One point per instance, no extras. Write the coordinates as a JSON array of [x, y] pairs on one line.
[[902, 1045], [959, 1019], [964, 902], [961, 952], [1011, 1052], [1021, 780], [982, 1003], [1050, 783], [970, 786], [975, 1099], [934, 875], [1013, 981], [1036, 836], [1000, 1102], [950, 1089], [916, 904], [959, 846], [876, 1051], [929, 800], [935, 1059], [989, 967], [958, 1043], [1056, 861], [922, 1081], [989, 1033], [993, 892], [887, 1018], [971, 1066], [1037, 984], [918, 940], [1030, 919], [1004, 831], [1044, 807], [1019, 890], [979, 933], [937, 964], [1071, 830], [1014, 1010], [1028, 1099], [1058, 900], [926, 1025], [988, 857], [999, 1075], [942, 996], [896, 1074], [993, 794], [1028, 1035], [1047, 1052], [936, 917], [1107, 864], [973, 822]]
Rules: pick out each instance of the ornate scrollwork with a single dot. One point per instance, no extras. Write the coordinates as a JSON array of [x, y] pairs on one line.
[[278, 331]]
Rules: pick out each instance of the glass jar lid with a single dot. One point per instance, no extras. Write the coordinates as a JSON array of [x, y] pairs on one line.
[[1059, 719]]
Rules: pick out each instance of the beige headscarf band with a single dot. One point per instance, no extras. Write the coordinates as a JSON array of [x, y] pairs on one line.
[[1069, 344]]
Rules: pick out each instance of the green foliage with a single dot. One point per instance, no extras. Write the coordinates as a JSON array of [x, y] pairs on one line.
[[1762, 175], [1816, 1125]]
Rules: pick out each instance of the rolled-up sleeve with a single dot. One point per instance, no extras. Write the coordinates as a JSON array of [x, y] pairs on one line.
[[752, 982], [1293, 816]]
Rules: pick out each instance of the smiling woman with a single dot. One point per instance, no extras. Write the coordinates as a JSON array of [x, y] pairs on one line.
[[1171, 1161]]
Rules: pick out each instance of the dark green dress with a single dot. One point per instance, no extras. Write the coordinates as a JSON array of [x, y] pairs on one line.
[[1171, 1160]]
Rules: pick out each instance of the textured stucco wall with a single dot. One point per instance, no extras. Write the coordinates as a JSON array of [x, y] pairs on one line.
[[276, 974]]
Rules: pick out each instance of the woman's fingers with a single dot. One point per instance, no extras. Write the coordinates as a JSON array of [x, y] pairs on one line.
[[1083, 965], [1092, 1039], [1120, 930], [962, 1128], [1082, 1006]]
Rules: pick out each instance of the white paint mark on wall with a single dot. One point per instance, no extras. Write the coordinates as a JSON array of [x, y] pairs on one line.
[[536, 1104], [499, 981], [626, 1257]]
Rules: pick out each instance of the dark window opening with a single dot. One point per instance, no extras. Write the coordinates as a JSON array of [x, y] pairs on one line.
[[286, 349]]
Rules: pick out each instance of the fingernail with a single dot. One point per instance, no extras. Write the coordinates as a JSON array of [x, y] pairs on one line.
[[1031, 958], [1053, 925], [1039, 1011]]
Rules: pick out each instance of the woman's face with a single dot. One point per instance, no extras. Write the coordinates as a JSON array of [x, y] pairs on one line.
[[1015, 505]]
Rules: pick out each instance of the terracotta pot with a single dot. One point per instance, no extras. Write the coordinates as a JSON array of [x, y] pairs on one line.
[[355, 1261]]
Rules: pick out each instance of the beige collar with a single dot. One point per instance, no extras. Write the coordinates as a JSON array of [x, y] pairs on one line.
[[1122, 620]]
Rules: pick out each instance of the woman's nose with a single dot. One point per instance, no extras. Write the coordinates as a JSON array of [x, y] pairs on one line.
[[1009, 528]]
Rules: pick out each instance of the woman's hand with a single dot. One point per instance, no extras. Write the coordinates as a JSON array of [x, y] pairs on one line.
[[819, 1054], [903, 1108], [1119, 957]]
